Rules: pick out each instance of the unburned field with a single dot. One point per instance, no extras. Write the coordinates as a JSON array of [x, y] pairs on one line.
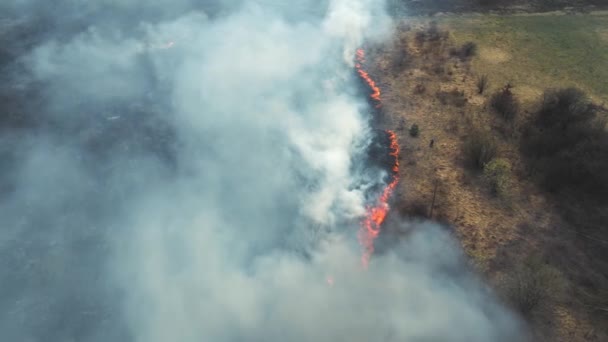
[[536, 51], [473, 87]]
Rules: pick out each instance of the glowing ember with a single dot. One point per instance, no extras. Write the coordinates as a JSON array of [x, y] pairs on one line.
[[375, 216]]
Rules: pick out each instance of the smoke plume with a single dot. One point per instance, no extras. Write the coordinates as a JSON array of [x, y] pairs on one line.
[[195, 171]]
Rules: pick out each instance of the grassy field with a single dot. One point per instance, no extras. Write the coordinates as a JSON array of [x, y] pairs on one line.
[[539, 51], [436, 88]]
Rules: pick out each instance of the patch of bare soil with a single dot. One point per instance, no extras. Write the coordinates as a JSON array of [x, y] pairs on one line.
[[494, 55]]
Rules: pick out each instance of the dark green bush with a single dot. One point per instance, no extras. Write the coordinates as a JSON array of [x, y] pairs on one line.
[[414, 130]]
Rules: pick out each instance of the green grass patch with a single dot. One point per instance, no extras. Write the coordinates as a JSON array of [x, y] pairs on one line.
[[539, 51]]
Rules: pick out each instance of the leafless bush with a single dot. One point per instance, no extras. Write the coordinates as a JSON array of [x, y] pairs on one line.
[[438, 69], [479, 148], [419, 88], [566, 144], [482, 83], [420, 37], [416, 209], [454, 97], [505, 103], [467, 50], [531, 285], [401, 59], [433, 32]]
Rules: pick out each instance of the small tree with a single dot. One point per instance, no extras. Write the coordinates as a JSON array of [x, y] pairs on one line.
[[414, 130], [482, 83], [479, 149], [496, 174], [504, 103]]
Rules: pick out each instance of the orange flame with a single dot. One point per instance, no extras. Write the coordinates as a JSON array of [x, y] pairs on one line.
[[360, 58], [375, 216]]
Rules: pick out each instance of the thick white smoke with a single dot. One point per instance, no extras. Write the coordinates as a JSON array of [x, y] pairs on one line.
[[196, 177]]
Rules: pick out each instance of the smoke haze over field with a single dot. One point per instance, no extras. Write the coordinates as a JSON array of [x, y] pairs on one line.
[[181, 172]]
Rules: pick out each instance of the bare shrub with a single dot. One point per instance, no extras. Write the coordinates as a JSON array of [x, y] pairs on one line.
[[401, 59], [566, 144], [452, 126], [420, 37], [482, 83], [438, 69], [453, 97], [467, 50], [419, 88], [532, 285], [504, 103], [479, 148], [564, 107], [416, 209], [434, 34]]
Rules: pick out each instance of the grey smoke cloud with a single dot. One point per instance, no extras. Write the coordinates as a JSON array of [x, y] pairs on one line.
[[205, 190]]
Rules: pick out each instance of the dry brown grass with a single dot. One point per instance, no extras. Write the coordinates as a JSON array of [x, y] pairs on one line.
[[496, 232]]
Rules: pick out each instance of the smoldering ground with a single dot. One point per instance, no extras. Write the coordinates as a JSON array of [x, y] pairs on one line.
[[173, 172]]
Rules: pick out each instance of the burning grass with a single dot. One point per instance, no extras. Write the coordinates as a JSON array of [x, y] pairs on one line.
[[378, 211]]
